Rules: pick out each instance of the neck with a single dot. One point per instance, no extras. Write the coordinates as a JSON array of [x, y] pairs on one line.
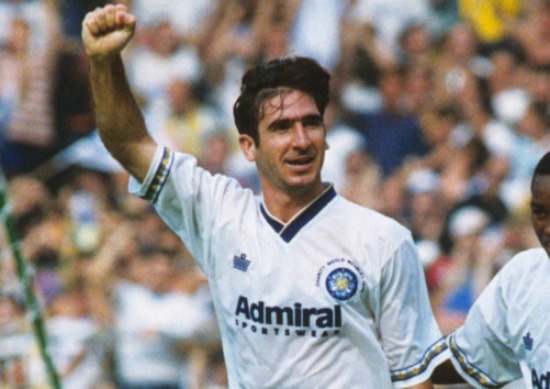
[[284, 205]]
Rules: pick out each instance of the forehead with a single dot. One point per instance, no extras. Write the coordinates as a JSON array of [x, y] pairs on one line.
[[541, 187], [287, 104]]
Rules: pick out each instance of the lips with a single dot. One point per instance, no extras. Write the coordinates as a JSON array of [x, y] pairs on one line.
[[302, 161]]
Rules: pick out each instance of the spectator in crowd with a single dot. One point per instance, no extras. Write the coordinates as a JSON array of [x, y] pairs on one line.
[[537, 83], [187, 17], [533, 140], [364, 57], [15, 342], [418, 89], [29, 131], [506, 86], [424, 212], [182, 120], [37, 15], [465, 269], [533, 32], [153, 326], [392, 135], [311, 41], [443, 15], [490, 19], [390, 18], [215, 151], [76, 345], [160, 58], [456, 58], [343, 140], [415, 43]]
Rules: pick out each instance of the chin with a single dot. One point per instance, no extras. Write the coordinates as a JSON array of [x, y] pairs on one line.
[[302, 184]]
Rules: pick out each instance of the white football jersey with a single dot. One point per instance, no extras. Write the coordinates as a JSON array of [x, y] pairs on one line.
[[335, 298], [507, 326]]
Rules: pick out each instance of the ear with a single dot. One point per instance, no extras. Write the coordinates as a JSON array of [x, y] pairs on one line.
[[248, 147]]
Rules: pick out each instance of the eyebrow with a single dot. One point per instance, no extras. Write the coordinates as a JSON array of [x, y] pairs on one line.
[[287, 122]]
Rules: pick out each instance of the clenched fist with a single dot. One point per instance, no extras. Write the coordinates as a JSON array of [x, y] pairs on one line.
[[106, 31]]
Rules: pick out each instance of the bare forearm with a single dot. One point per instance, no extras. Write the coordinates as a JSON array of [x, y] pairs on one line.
[[105, 33], [119, 119]]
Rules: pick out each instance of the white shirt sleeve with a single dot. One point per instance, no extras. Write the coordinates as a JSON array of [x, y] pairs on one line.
[[409, 333], [479, 348], [190, 199]]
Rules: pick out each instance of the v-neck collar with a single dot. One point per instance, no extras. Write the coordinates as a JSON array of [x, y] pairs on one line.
[[288, 230]]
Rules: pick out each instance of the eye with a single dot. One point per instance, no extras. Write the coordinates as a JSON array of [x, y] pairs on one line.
[[539, 212]]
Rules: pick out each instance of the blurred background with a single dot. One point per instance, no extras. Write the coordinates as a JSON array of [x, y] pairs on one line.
[[440, 111]]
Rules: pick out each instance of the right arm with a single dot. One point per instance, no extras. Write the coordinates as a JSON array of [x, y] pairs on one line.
[[105, 33]]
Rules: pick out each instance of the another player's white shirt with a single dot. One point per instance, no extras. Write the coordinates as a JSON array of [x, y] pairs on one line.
[[336, 298], [508, 324]]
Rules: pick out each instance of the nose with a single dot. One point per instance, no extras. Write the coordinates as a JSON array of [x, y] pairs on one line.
[[300, 136]]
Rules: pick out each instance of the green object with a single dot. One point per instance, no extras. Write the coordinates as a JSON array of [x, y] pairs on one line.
[[25, 279]]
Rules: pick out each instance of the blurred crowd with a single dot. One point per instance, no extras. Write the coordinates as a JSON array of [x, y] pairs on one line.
[[441, 109]]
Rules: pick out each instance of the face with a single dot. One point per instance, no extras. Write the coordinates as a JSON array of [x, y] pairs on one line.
[[540, 210], [291, 146]]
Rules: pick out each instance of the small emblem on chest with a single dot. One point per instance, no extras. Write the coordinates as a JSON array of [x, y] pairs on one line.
[[240, 262], [341, 283], [341, 278]]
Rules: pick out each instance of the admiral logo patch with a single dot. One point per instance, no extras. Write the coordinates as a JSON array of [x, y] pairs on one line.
[[241, 263]]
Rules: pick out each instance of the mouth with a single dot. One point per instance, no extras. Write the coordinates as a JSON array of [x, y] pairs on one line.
[[301, 162]]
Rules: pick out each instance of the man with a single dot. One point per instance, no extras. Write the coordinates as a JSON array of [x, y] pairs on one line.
[[505, 336], [310, 290]]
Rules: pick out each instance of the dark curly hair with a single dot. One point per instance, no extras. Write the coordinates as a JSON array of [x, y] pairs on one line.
[[265, 81]]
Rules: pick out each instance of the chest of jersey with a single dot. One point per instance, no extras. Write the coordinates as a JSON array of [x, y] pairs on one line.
[[530, 334], [529, 323], [299, 287], [310, 300]]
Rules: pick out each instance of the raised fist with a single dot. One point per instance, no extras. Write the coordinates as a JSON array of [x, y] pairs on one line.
[[106, 31]]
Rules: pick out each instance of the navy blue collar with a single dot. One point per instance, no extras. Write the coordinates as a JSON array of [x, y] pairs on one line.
[[289, 230]]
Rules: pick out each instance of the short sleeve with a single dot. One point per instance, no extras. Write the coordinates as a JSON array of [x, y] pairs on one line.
[[184, 197], [190, 200], [478, 348], [149, 188], [409, 332]]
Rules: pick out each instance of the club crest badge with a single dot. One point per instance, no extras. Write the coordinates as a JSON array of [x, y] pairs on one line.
[[341, 284], [341, 278]]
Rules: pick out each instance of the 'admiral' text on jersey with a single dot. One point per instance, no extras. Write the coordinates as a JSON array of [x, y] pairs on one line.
[[297, 316]]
